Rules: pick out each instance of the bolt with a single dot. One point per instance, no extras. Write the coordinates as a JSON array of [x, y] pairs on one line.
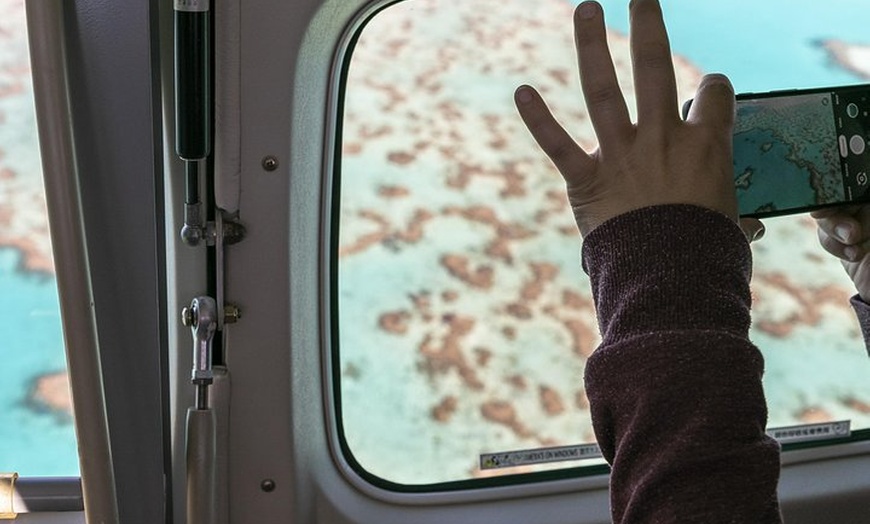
[[232, 313], [187, 316], [268, 485], [270, 163]]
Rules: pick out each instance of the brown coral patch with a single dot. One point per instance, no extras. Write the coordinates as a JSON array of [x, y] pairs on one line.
[[518, 381], [583, 337], [551, 401], [414, 231], [449, 296], [459, 266], [814, 415], [509, 332], [445, 409], [857, 404], [401, 158], [389, 191], [482, 356], [51, 394], [574, 300], [368, 239], [395, 322], [351, 148], [542, 273], [441, 358], [518, 310], [503, 412], [810, 301]]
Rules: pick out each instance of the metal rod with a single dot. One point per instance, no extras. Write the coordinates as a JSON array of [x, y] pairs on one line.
[[191, 182], [202, 396]]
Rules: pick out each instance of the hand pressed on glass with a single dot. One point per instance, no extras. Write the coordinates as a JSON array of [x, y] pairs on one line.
[[659, 160]]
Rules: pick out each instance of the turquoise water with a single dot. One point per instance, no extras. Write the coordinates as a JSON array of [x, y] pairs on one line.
[[761, 45], [31, 442]]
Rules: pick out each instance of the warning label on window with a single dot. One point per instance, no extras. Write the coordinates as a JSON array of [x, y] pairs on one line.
[[526, 457], [510, 459], [810, 432]]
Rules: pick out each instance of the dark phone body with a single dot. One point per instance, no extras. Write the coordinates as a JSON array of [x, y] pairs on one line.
[[800, 150]]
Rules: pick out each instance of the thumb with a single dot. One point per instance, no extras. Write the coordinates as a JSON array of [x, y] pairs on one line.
[[752, 228]]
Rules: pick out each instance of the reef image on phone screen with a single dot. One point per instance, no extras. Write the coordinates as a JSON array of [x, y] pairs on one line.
[[801, 151]]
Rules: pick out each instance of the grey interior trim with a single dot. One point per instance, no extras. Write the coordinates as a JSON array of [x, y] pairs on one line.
[[110, 68], [48, 53]]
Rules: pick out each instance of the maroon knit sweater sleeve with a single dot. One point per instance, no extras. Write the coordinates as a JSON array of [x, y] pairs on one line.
[[675, 387], [862, 310]]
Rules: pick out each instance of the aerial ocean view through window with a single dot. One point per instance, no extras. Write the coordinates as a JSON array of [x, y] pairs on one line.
[[464, 317], [37, 437]]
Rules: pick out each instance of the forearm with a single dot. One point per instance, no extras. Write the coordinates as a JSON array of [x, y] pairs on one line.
[[675, 387]]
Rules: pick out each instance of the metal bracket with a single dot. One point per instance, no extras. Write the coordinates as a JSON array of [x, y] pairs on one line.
[[194, 231], [202, 318]]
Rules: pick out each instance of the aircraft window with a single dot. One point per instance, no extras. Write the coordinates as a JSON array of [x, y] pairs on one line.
[[36, 430], [463, 318]]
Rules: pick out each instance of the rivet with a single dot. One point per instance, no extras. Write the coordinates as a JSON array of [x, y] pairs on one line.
[[268, 485], [270, 163]]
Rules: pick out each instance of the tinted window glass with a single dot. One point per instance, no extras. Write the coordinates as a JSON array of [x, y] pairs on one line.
[[464, 319], [36, 429]]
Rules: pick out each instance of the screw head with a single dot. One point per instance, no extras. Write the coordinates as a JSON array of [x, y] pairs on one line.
[[268, 485], [270, 163]]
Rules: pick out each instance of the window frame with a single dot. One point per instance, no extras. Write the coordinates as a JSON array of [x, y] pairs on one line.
[[549, 482]]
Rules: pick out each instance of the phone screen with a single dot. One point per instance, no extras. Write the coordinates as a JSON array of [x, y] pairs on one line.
[[799, 150]]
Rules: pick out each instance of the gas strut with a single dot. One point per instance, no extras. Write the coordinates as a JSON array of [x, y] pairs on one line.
[[193, 146], [192, 105]]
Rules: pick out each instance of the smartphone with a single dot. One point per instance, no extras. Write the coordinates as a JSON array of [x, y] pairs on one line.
[[800, 150]]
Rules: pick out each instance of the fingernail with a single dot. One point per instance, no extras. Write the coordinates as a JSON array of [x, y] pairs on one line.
[[718, 79], [588, 10], [759, 234], [843, 232], [524, 95]]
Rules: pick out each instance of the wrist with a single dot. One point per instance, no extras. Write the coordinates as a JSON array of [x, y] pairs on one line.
[[669, 267]]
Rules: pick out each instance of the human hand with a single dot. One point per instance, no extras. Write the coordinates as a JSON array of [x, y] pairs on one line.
[[661, 159], [845, 233]]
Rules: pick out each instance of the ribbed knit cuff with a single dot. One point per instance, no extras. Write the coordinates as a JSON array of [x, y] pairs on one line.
[[669, 267]]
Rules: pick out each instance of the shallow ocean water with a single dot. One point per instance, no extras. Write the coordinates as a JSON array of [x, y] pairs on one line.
[[464, 318]]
